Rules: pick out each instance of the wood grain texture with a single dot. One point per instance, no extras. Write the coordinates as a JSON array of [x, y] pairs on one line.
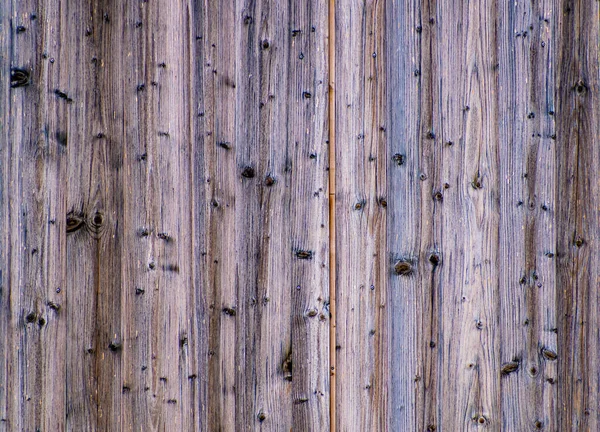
[[490, 129], [527, 76], [577, 202], [170, 193], [164, 203], [361, 200]]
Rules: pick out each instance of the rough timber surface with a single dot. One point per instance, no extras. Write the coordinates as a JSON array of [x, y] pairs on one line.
[[164, 214], [181, 181]]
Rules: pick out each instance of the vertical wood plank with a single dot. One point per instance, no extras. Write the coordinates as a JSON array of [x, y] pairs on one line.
[[308, 165], [32, 159], [5, 307], [361, 200], [263, 123], [577, 212], [140, 290], [159, 360], [84, 98], [403, 32], [442, 228], [527, 65], [220, 177]]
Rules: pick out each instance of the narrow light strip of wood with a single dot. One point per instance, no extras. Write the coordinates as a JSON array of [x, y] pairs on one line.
[[332, 261]]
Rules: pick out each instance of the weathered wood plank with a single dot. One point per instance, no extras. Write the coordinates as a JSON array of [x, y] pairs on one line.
[[361, 161], [32, 159], [220, 175], [403, 31], [5, 307], [442, 226], [307, 165], [264, 139], [577, 203], [453, 131], [528, 223]]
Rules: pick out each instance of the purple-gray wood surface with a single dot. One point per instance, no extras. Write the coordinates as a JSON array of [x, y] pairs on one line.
[[165, 222]]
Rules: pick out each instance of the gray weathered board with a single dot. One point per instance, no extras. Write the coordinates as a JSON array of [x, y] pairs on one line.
[[165, 225]]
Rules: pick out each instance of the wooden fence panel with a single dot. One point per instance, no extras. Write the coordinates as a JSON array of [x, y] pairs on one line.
[[490, 145], [164, 260], [174, 184]]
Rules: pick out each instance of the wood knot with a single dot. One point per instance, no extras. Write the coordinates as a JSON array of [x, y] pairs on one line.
[[481, 420], [30, 317], [165, 236], [183, 341], [143, 232], [19, 77], [96, 224], [399, 159], [509, 367], [115, 346], [286, 367], [269, 180], [54, 306], [248, 172], [97, 220], [75, 221], [62, 95], [580, 87], [304, 254], [549, 354], [434, 259], [230, 311], [476, 183], [403, 267], [312, 313]]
